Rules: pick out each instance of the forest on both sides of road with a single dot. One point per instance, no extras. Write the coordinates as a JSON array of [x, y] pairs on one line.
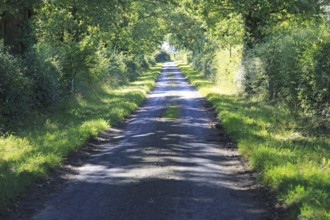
[[60, 59]]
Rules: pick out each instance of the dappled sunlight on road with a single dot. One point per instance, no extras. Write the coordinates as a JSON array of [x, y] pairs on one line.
[[159, 168]]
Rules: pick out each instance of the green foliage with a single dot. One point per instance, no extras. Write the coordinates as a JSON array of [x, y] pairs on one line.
[[15, 88], [257, 16], [321, 80], [281, 55], [204, 36], [43, 71], [111, 67], [77, 60], [292, 160], [289, 68], [188, 33], [228, 76], [88, 42]]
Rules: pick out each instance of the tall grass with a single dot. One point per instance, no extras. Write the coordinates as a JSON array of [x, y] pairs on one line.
[[44, 141], [292, 160]]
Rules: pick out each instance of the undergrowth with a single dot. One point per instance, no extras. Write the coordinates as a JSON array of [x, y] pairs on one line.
[[43, 141], [292, 160]]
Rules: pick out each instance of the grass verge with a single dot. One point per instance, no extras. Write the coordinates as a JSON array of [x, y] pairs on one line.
[[292, 160], [43, 142]]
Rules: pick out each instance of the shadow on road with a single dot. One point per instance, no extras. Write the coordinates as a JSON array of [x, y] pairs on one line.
[[154, 168]]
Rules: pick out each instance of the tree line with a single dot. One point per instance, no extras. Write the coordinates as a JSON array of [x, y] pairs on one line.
[[50, 49], [285, 47]]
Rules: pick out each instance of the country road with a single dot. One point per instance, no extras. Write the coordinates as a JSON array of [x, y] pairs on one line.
[[155, 167]]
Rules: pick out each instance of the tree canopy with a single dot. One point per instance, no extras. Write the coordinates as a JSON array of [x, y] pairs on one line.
[[57, 41]]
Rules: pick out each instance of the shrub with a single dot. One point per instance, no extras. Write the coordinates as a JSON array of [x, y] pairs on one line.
[[228, 64], [115, 71], [15, 87], [44, 71], [132, 66], [292, 67], [319, 100], [77, 60]]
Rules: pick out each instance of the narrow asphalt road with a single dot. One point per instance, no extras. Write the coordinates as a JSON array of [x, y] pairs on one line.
[[157, 168]]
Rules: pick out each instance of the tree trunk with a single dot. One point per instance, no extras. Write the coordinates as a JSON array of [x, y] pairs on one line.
[[253, 30]]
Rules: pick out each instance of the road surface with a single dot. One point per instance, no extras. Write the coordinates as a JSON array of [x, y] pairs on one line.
[[158, 168]]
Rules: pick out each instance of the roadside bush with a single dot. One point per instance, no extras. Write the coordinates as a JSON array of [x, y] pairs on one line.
[[44, 71], [144, 62], [256, 82], [150, 60], [15, 87], [204, 59], [115, 69], [133, 66], [228, 64], [204, 62], [292, 67], [77, 60], [319, 102]]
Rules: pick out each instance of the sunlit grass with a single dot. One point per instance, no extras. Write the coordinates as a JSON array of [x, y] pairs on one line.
[[227, 63], [292, 160], [43, 142]]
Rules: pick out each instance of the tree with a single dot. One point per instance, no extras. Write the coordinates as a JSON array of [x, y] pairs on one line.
[[14, 19]]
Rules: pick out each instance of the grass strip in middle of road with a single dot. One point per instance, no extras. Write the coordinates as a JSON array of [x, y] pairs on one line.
[[172, 112]]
